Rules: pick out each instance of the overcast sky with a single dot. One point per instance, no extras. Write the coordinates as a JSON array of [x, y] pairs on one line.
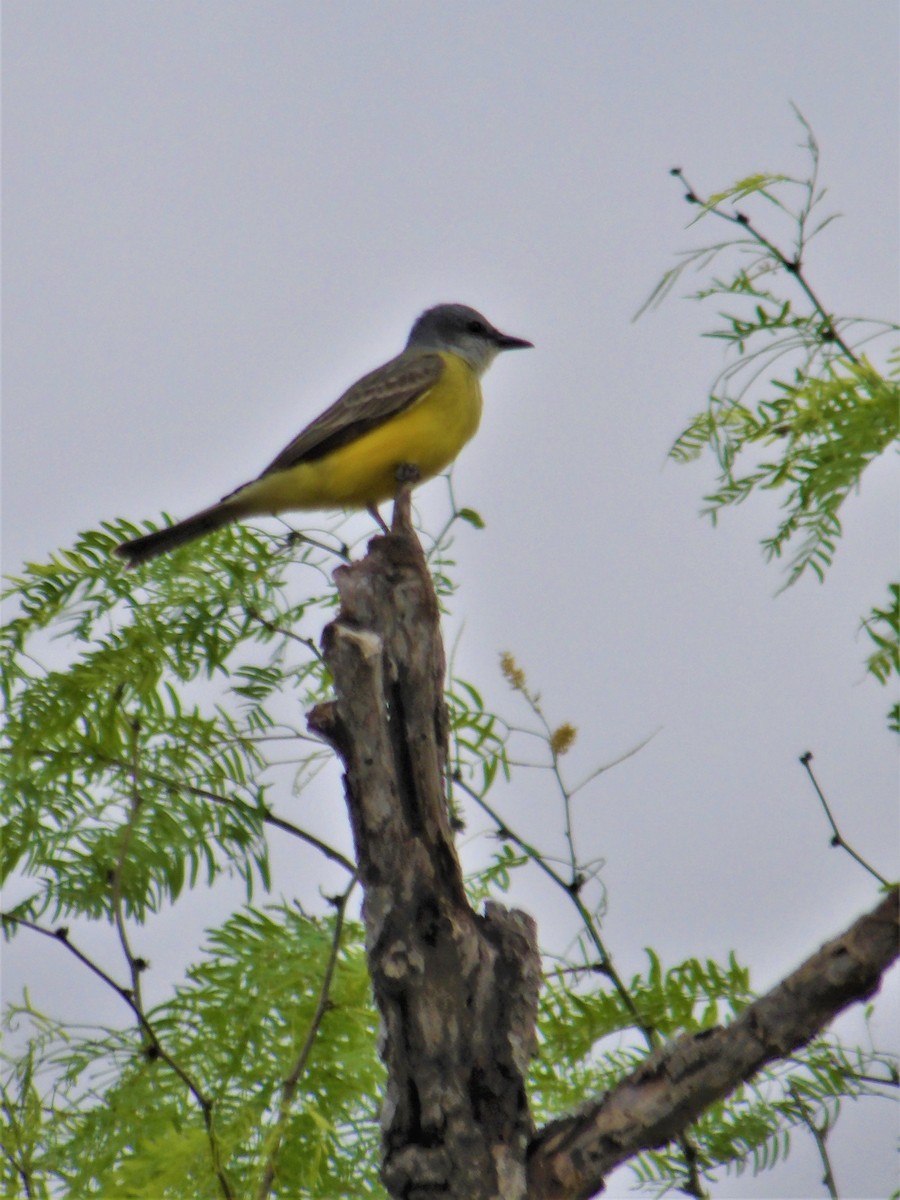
[[218, 215]]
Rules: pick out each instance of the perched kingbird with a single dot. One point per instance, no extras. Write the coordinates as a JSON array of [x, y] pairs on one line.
[[405, 420]]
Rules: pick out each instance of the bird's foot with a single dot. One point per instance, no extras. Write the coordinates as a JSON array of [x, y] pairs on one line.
[[407, 476]]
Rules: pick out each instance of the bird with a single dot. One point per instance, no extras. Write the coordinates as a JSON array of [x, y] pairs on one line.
[[404, 422]]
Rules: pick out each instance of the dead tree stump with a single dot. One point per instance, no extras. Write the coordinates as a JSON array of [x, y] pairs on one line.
[[457, 990]]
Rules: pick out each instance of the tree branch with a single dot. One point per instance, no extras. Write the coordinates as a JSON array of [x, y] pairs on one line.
[[569, 1158]]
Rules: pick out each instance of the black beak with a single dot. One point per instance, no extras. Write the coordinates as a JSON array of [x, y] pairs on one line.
[[505, 342]]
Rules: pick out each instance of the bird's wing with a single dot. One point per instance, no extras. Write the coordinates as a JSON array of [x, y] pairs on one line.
[[370, 402]]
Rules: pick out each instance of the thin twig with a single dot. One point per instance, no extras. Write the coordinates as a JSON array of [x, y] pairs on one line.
[[539, 860], [837, 837], [61, 935], [267, 817], [820, 1136], [296, 535], [289, 1087], [877, 1079], [615, 762], [437, 543], [692, 1185], [136, 965], [793, 266], [545, 734], [20, 1168], [308, 643], [155, 1048]]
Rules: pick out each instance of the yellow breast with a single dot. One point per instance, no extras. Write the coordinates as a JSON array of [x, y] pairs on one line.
[[428, 435]]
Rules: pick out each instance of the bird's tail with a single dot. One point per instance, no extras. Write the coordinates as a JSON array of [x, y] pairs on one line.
[[140, 550]]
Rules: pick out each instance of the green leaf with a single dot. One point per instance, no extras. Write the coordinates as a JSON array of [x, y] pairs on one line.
[[469, 514]]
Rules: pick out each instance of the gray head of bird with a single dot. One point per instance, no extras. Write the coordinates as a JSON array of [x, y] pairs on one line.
[[462, 331]]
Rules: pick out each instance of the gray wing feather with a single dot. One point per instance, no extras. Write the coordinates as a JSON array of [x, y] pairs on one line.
[[371, 401]]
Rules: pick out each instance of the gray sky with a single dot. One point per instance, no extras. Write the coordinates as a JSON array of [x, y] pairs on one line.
[[218, 216]]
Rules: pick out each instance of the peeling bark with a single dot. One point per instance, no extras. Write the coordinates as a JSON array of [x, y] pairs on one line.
[[457, 991], [570, 1157]]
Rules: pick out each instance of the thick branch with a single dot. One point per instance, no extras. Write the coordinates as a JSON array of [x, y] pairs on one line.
[[457, 991], [570, 1157]]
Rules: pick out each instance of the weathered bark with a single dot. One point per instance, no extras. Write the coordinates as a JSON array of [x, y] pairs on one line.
[[457, 991], [569, 1158]]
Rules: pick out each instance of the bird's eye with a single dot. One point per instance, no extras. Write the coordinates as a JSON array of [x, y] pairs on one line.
[[477, 327]]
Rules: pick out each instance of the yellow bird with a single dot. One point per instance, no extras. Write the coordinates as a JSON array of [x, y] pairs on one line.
[[406, 420]]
